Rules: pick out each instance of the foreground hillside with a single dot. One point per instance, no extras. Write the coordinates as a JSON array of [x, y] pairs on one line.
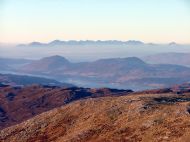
[[21, 103], [142, 117]]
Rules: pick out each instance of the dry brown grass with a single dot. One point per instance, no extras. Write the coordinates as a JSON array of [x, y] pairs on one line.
[[132, 118]]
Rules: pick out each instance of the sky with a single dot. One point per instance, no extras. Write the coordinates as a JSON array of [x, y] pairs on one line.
[[158, 21]]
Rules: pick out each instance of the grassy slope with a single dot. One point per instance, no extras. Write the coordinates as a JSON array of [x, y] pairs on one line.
[[126, 118]]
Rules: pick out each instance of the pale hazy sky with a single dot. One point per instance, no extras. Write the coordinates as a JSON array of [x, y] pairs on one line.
[[157, 21]]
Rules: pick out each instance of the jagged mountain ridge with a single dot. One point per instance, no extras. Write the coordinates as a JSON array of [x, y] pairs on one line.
[[82, 42]]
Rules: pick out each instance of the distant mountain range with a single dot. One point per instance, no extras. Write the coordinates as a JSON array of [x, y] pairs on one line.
[[58, 43], [83, 42]]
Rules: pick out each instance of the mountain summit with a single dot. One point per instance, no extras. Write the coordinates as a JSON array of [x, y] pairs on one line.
[[47, 64]]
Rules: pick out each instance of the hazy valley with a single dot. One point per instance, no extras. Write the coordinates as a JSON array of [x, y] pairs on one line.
[[122, 73]]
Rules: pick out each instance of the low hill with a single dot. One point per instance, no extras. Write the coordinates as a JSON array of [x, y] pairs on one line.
[[9, 64], [23, 80], [47, 64]]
